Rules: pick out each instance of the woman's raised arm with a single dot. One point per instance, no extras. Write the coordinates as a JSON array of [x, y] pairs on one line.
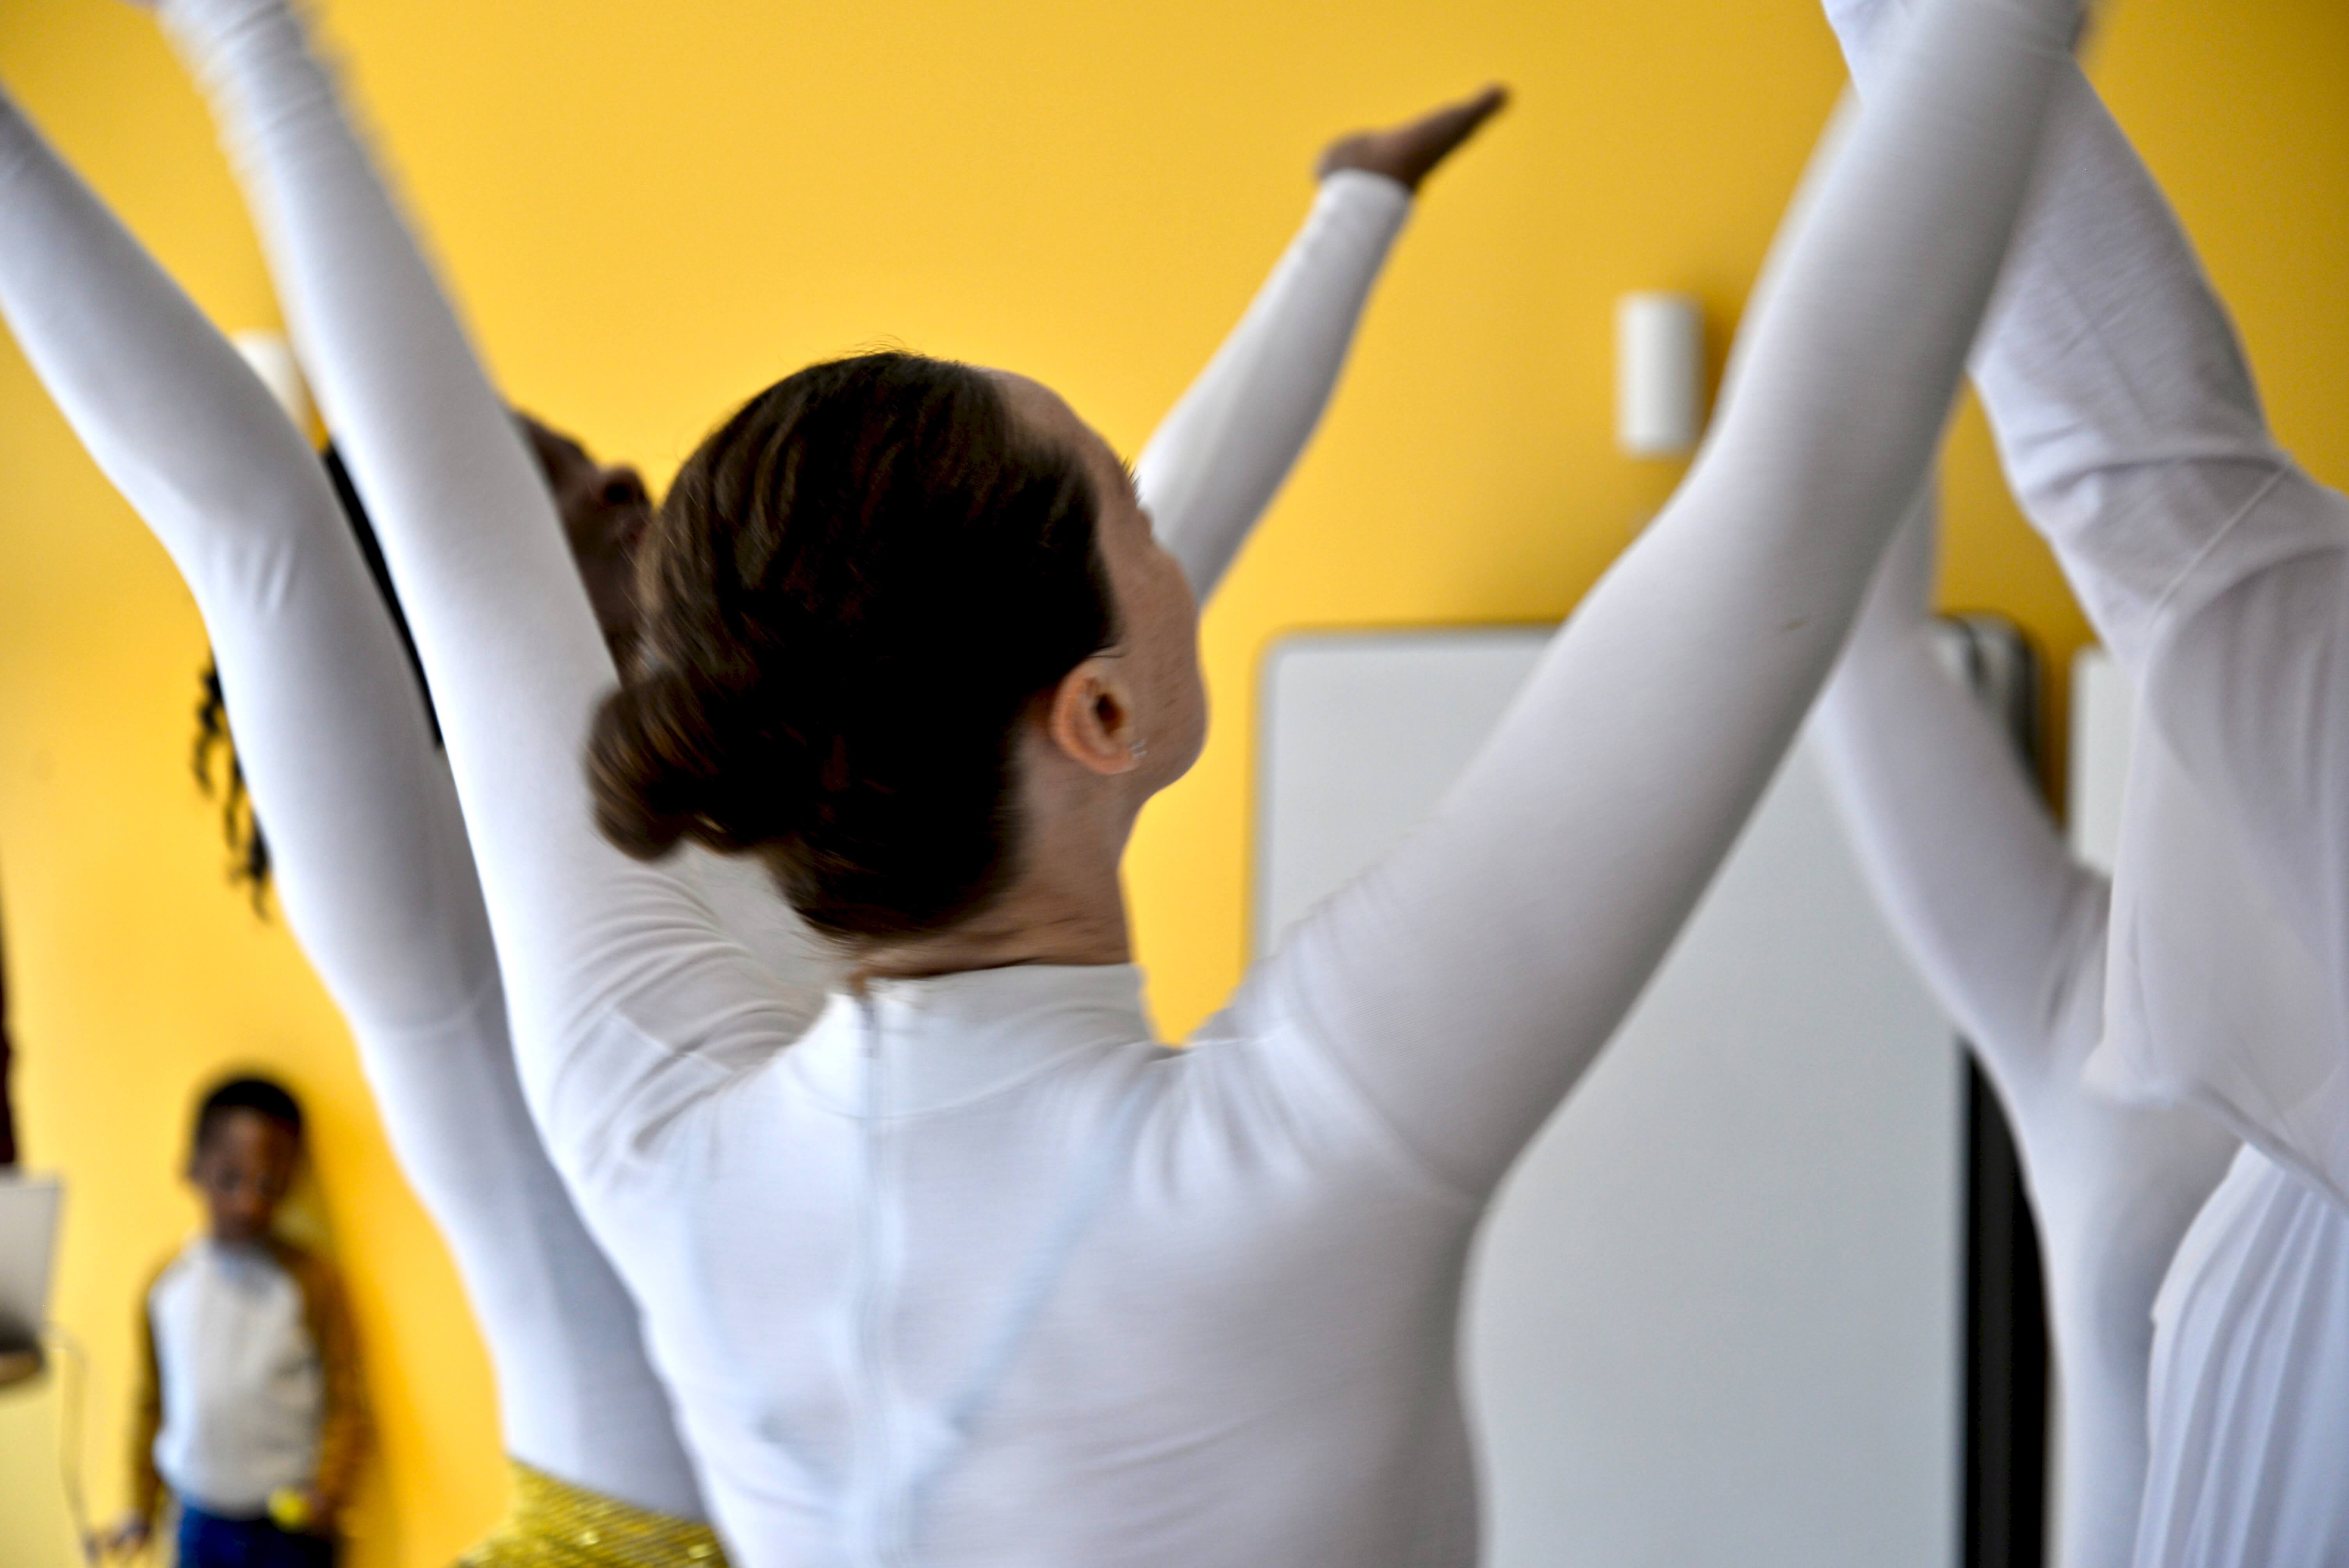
[[372, 863], [373, 867], [1466, 981], [513, 652], [2004, 924], [1219, 458]]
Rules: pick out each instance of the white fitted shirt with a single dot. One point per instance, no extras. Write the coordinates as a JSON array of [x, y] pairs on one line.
[[243, 1388]]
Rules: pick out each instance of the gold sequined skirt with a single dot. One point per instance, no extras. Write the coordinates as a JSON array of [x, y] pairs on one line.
[[552, 1524]]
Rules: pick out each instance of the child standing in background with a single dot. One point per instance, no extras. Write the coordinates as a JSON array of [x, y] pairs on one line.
[[249, 1404]]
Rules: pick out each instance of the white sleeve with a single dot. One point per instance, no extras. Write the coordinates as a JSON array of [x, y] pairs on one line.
[[2212, 564], [1467, 981], [1219, 458], [602, 956], [2124, 410], [2004, 923], [2215, 570], [372, 866], [374, 873]]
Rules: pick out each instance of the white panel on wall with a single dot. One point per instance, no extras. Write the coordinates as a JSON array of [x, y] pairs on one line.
[[2104, 725], [1715, 1314]]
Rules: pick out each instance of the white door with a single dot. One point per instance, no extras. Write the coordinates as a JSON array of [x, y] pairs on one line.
[[1715, 1316]]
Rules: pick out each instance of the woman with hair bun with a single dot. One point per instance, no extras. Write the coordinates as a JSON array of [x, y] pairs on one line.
[[973, 1270], [371, 859]]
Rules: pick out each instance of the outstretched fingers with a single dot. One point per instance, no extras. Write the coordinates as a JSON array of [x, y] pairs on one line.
[[1407, 154]]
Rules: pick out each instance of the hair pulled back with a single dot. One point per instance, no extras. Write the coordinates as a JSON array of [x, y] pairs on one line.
[[851, 594]]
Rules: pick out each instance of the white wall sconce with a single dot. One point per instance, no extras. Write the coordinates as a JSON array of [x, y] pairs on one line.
[[1658, 373]]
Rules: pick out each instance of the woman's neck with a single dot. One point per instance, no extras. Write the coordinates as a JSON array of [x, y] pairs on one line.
[[1065, 901], [1030, 923]]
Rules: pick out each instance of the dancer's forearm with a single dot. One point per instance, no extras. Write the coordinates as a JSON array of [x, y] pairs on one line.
[[1522, 922], [372, 865], [2124, 409], [2004, 923], [1219, 458], [513, 655]]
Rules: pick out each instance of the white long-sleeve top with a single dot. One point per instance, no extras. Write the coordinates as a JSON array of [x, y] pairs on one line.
[[2009, 930], [372, 864], [242, 1378], [975, 1272], [2129, 429]]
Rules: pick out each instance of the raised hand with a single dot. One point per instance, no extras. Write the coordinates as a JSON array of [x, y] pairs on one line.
[[131, 1533], [1408, 153]]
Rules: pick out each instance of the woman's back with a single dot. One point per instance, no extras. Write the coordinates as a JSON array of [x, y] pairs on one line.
[[1081, 1299]]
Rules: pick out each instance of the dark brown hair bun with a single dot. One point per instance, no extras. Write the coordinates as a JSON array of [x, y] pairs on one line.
[[851, 594]]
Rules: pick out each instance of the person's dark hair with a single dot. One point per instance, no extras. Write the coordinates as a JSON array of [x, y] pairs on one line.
[[216, 745], [248, 849], [852, 593], [264, 1096]]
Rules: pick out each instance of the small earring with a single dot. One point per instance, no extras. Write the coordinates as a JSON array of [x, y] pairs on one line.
[[1138, 750]]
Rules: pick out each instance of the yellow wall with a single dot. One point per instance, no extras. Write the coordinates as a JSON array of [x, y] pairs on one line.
[[653, 209]]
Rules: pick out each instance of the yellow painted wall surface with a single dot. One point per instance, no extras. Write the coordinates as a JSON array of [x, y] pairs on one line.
[[653, 209], [36, 1527]]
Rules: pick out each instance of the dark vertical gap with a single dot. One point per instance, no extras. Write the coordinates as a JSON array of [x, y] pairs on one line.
[[2006, 1348], [2006, 1360]]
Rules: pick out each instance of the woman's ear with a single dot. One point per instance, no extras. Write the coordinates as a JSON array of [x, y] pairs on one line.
[[1092, 718]]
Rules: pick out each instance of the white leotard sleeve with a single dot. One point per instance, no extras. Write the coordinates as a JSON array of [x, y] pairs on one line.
[[1467, 981], [2214, 569], [2213, 566], [2006, 925], [372, 865], [513, 657], [2123, 407], [1219, 458]]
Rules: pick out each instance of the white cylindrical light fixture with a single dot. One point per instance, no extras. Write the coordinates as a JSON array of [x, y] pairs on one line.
[[1658, 373], [271, 360]]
